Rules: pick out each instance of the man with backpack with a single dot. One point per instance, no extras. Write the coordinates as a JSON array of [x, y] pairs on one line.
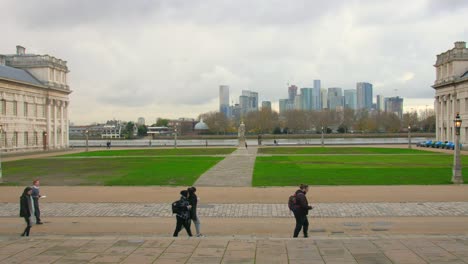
[[299, 205], [182, 210]]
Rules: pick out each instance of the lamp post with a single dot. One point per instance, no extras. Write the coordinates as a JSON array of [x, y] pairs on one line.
[[409, 136], [175, 137], [87, 134], [322, 138], [457, 177]]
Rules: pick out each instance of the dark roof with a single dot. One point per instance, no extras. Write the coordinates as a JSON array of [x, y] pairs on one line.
[[464, 75], [18, 75]]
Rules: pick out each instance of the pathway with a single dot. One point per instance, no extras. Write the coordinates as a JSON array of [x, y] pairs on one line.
[[235, 170], [127, 249], [320, 210]]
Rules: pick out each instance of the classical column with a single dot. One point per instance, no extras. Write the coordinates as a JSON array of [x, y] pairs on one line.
[[55, 124], [62, 126], [436, 109], [48, 130], [67, 134]]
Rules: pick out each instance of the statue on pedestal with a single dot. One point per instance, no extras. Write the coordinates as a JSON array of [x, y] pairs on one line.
[[241, 134]]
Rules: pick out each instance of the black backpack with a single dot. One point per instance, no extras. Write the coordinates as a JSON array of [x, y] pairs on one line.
[[292, 202], [176, 207]]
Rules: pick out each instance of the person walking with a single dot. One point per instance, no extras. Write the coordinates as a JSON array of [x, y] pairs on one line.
[[27, 209], [301, 211], [36, 196], [183, 214], [193, 200]]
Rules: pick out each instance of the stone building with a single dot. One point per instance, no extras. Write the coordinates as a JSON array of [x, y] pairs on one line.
[[451, 92], [33, 102]]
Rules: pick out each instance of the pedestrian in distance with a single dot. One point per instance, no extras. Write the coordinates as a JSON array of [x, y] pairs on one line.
[[245, 144], [300, 207], [36, 195], [182, 210], [193, 201], [27, 209]]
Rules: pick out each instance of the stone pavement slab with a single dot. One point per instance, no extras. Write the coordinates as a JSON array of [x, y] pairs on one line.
[[246, 210], [235, 170], [150, 249]]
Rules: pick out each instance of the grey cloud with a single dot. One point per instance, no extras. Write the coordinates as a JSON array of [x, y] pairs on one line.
[[65, 13]]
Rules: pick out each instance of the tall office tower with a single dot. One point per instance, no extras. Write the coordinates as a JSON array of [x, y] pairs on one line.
[[252, 104], [324, 95], [292, 92], [297, 103], [266, 105], [285, 105], [316, 96], [224, 100], [394, 105], [335, 98], [364, 95], [380, 103], [350, 98], [253, 101], [244, 104], [306, 99]]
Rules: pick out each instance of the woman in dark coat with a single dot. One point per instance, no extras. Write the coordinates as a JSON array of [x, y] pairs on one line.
[[183, 214], [193, 200], [26, 209]]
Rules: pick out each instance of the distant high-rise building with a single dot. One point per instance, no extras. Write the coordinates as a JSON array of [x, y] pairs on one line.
[[292, 92], [394, 105], [364, 95], [297, 103], [224, 100], [335, 98], [316, 96], [324, 95], [244, 104], [380, 104], [252, 101], [350, 98], [306, 99], [285, 105], [266, 105], [141, 121]]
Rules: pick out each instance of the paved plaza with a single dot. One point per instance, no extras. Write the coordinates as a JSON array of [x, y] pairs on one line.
[[115, 249]]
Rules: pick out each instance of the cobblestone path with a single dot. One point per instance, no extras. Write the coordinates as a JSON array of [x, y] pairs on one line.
[[246, 210]]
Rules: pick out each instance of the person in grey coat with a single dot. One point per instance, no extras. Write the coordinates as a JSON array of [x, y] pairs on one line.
[[36, 195]]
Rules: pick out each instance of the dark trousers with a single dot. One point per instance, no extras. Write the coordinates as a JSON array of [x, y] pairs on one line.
[[301, 223], [37, 212], [28, 226], [182, 222]]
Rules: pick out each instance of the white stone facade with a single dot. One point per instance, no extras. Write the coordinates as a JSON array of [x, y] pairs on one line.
[[33, 112], [451, 96]]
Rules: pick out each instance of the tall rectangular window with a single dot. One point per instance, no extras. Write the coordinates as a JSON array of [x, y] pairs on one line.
[[36, 139], [14, 139], [3, 107], [26, 139], [25, 109], [15, 108], [34, 110], [3, 141]]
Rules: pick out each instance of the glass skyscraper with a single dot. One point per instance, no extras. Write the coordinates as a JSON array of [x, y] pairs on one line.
[[364, 95]]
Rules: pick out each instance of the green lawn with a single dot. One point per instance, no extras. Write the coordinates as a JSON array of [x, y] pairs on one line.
[[378, 169], [155, 152], [130, 171], [340, 150]]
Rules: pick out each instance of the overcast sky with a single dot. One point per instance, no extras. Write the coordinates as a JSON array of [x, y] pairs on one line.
[[167, 58]]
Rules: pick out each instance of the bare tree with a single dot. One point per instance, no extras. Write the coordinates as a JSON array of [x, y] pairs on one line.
[[217, 122]]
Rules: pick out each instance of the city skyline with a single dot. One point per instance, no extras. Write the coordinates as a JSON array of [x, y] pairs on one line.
[[166, 59]]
